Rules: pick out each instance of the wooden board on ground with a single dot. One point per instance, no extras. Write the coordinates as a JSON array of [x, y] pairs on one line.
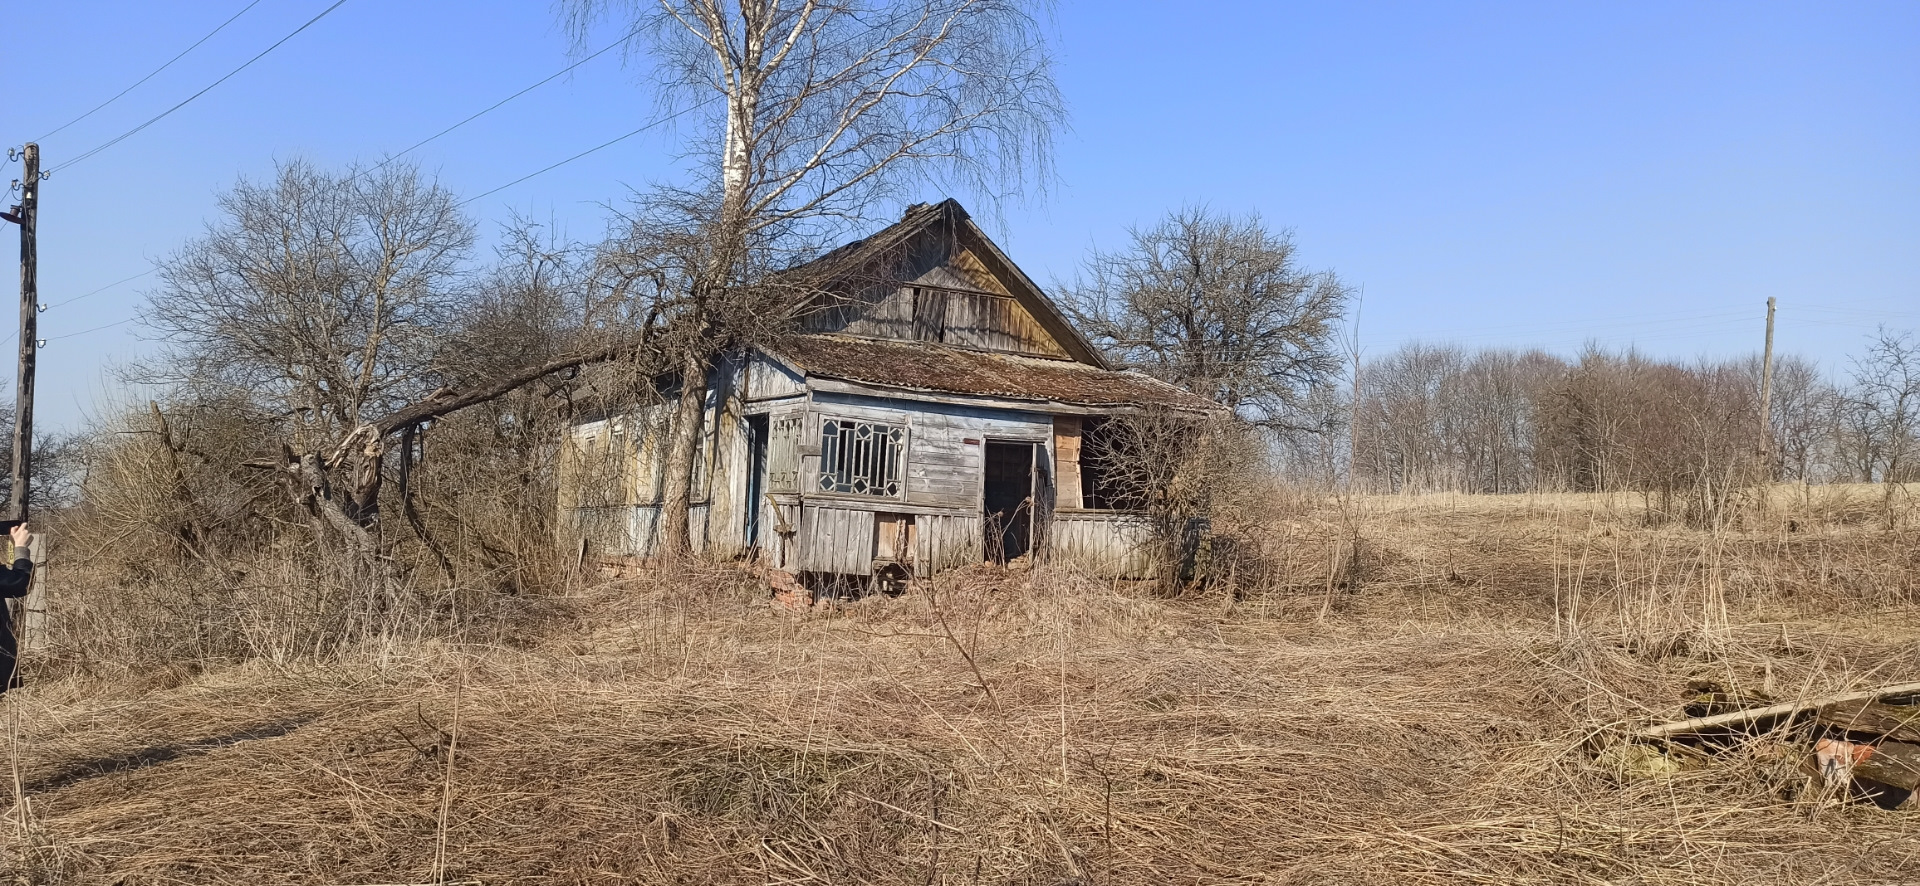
[[1893, 763], [1897, 722]]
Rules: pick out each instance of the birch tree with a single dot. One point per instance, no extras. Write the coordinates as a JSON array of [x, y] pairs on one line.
[[813, 113]]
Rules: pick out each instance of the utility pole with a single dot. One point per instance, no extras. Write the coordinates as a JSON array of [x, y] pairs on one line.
[[26, 216], [1353, 409], [1766, 401]]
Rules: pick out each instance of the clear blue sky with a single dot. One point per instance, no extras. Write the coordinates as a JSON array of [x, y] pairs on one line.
[[1517, 173]]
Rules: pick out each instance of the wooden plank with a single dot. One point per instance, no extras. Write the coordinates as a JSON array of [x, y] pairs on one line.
[[1770, 712], [837, 540], [929, 314], [890, 536], [1066, 460], [947, 542], [1108, 544], [1897, 722], [1892, 763]]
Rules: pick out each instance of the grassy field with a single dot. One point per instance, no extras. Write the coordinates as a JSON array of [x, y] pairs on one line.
[[1411, 694]]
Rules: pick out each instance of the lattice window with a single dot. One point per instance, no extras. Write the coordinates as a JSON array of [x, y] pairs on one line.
[[861, 457]]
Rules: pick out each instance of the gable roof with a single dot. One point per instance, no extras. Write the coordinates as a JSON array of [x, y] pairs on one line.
[[922, 366], [923, 219]]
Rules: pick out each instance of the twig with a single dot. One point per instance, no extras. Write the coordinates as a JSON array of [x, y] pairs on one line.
[[446, 787], [933, 603]]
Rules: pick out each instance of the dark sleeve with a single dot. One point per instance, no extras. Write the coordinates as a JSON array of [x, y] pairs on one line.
[[15, 581]]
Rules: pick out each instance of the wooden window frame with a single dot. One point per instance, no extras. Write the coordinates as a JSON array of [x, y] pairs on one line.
[[865, 470]]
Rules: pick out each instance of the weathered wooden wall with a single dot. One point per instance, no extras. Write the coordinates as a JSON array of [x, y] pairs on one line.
[[1066, 460], [1106, 543], [611, 472], [950, 299], [835, 539], [943, 468], [961, 318]]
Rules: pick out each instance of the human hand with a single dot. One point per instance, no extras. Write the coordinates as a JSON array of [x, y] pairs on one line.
[[22, 536]]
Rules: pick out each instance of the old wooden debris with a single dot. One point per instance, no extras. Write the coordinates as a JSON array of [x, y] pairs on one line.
[[1751, 716], [1894, 763], [1895, 722]]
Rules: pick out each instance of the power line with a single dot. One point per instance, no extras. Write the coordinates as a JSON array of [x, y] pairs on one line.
[[601, 146], [163, 114], [85, 331], [547, 169], [490, 108], [156, 71], [103, 288]]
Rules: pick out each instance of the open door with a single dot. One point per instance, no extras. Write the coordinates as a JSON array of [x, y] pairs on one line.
[[756, 478], [1008, 500]]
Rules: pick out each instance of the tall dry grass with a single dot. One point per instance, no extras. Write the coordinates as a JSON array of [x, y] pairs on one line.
[[1408, 693]]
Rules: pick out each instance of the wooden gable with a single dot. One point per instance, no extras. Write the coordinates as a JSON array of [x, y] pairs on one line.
[[936, 278]]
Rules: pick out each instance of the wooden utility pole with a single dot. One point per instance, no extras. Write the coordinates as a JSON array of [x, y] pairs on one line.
[[29, 331], [1766, 401]]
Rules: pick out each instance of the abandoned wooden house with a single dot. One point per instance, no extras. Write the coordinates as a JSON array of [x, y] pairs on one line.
[[928, 414]]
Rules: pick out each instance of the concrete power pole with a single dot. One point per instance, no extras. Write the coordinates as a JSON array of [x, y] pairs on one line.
[[1766, 401]]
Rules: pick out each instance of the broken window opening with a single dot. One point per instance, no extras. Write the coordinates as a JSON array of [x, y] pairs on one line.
[[1111, 475]]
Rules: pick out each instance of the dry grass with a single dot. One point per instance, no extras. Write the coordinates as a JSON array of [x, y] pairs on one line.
[[1417, 712]]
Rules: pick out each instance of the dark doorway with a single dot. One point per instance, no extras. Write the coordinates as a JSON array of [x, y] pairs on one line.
[[756, 476], [1008, 500]]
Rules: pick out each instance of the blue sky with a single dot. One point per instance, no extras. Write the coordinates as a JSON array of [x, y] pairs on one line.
[[1488, 173]]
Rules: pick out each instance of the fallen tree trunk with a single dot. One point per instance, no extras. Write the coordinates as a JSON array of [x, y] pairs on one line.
[[1770, 712]]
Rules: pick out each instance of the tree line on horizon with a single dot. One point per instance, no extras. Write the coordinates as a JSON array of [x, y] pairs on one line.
[[1504, 420]]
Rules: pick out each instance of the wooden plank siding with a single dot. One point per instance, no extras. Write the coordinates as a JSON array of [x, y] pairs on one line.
[[611, 473], [836, 540], [1066, 460], [947, 541], [995, 323], [960, 317], [943, 469], [767, 379], [1109, 544]]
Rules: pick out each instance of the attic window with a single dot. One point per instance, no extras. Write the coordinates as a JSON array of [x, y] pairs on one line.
[[861, 458]]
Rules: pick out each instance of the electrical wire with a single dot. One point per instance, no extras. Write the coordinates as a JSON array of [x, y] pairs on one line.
[[601, 146], [163, 114], [156, 71], [490, 108], [103, 288], [94, 329]]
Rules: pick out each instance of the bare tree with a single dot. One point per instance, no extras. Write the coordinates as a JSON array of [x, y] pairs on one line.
[[1192, 478], [319, 298], [1881, 409], [815, 111], [1220, 306], [340, 311], [1803, 402]]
